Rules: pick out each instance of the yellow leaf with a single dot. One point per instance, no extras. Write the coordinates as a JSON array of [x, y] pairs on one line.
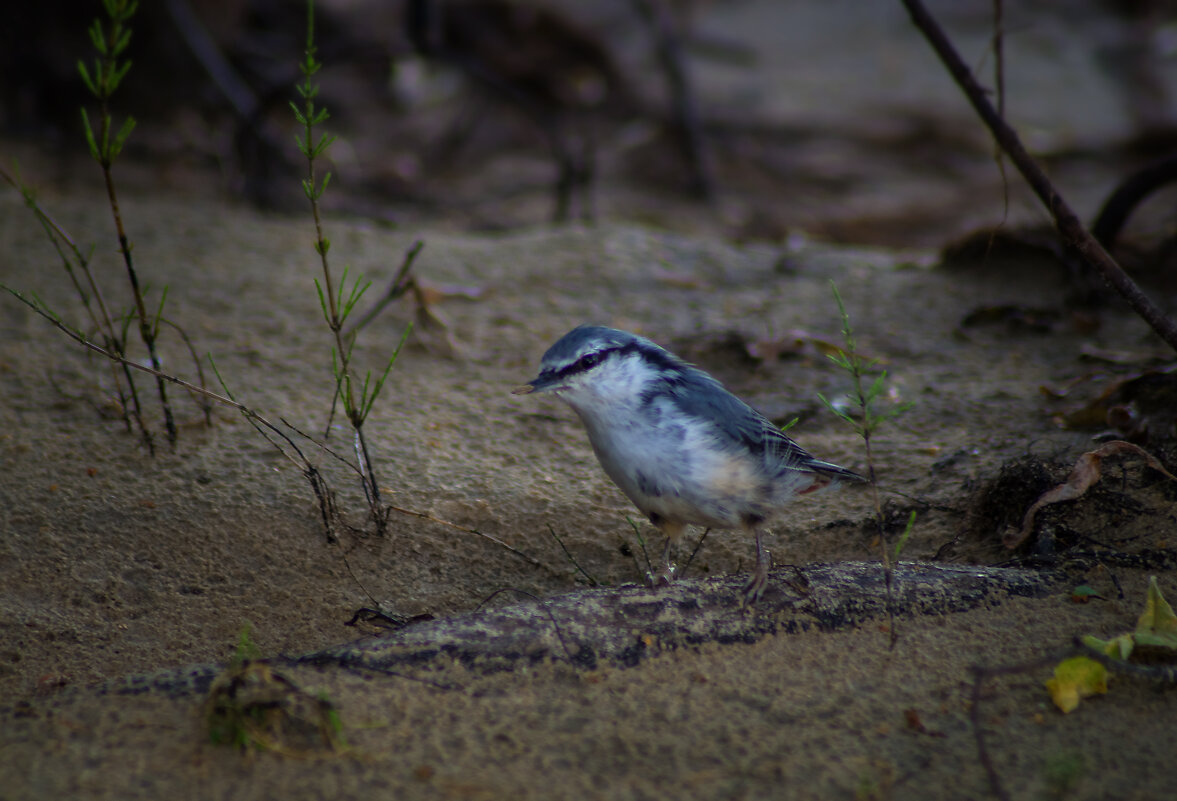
[[1076, 678], [1158, 624], [1117, 647]]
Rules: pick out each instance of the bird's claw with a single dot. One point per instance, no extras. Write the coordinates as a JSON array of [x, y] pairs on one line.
[[664, 577], [755, 588]]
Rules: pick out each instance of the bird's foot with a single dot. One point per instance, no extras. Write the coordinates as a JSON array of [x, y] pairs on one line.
[[664, 577], [755, 588]]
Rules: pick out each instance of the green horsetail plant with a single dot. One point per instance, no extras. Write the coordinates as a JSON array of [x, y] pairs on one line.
[[110, 67], [110, 37], [338, 302], [865, 417]]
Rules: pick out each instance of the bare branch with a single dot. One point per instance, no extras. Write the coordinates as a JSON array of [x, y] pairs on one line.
[[1065, 219]]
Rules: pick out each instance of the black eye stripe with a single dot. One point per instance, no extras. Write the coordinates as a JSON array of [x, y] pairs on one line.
[[584, 363], [656, 357], [587, 362]]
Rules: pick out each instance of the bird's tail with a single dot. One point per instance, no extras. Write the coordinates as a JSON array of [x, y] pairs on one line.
[[828, 473]]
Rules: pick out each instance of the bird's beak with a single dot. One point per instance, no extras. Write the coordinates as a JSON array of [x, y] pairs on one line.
[[541, 383]]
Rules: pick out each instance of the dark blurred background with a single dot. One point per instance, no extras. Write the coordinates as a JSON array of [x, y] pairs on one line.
[[754, 119]]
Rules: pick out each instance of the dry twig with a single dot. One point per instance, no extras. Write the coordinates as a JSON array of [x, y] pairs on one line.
[[1065, 219]]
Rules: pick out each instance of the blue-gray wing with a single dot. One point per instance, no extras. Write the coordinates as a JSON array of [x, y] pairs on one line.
[[700, 395], [790, 456]]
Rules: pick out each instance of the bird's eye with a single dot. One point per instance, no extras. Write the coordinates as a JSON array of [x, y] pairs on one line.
[[589, 362]]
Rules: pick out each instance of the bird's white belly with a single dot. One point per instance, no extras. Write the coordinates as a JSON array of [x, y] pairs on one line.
[[665, 473]]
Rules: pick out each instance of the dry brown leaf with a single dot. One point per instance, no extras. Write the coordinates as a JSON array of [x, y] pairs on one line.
[[1153, 395], [1084, 475]]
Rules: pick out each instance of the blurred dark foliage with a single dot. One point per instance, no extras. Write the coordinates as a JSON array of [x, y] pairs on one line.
[[229, 63]]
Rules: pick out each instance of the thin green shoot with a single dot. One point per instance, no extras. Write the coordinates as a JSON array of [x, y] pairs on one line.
[[866, 419], [111, 42], [591, 580], [163, 298], [637, 532], [902, 541], [246, 650], [859, 368], [109, 69], [367, 400], [337, 302]]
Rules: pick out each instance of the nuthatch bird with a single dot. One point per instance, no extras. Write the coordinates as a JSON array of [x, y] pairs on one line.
[[680, 446]]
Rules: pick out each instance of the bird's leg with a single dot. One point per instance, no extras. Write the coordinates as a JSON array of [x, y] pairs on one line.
[[755, 587], [666, 575]]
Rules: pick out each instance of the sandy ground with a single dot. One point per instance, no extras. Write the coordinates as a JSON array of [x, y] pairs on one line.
[[114, 562], [117, 562]]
